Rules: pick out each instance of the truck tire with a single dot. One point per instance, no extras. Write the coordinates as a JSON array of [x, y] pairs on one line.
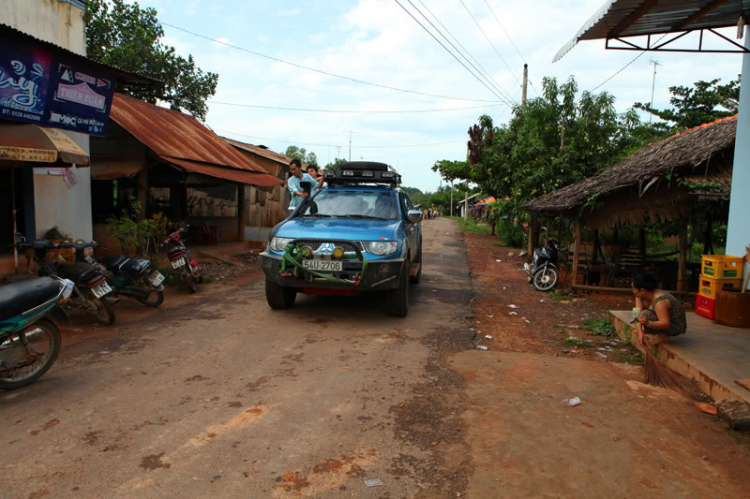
[[397, 300], [415, 279], [279, 297]]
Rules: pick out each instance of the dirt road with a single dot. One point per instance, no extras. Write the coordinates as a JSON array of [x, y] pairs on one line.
[[220, 396]]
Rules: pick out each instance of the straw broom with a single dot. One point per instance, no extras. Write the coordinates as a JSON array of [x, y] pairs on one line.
[[658, 374]]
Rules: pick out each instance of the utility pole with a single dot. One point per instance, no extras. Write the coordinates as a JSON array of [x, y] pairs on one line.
[[653, 87], [525, 84], [451, 197], [350, 132]]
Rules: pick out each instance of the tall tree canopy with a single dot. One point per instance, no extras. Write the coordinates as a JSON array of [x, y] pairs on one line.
[[127, 36], [550, 142], [302, 154], [707, 101]]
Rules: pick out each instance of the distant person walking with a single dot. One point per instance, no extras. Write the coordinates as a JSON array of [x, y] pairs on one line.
[[301, 185]]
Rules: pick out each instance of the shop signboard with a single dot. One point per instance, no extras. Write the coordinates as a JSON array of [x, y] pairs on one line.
[[42, 86]]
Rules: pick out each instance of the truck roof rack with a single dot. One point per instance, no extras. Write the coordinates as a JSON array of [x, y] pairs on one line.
[[363, 172]]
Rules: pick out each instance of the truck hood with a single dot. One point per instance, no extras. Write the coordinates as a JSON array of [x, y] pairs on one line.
[[339, 228]]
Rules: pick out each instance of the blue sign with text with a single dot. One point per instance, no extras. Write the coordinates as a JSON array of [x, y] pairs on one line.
[[50, 89]]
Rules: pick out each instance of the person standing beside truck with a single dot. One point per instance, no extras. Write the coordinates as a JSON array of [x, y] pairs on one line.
[[295, 184]]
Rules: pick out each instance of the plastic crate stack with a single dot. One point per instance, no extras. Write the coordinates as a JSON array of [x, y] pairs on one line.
[[717, 272]]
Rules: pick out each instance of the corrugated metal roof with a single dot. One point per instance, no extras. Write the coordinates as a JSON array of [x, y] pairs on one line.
[[176, 135], [128, 76], [231, 174], [649, 17], [260, 151]]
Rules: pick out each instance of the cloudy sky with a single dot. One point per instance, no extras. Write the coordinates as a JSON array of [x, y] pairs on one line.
[[378, 42]]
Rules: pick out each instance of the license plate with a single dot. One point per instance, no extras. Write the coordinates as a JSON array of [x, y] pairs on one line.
[[101, 290], [157, 278], [178, 263], [323, 265]]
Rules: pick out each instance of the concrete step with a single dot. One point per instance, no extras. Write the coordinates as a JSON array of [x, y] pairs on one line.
[[713, 354]]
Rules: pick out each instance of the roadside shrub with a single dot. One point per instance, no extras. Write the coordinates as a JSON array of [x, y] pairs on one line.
[[510, 233]]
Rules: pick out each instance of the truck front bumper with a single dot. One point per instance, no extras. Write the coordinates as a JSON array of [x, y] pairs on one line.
[[380, 275]]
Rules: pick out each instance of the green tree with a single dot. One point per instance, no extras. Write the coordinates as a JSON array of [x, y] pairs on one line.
[[335, 165], [302, 154], [127, 36], [707, 101]]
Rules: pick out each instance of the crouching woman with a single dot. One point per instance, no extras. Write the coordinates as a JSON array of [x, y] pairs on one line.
[[661, 314]]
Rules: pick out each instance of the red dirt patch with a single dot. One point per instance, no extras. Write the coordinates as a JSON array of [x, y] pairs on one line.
[[500, 284]]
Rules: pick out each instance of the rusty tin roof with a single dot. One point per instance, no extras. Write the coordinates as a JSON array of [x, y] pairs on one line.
[[173, 134]]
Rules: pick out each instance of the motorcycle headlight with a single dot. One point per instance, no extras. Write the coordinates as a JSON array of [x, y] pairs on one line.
[[280, 243], [381, 248]]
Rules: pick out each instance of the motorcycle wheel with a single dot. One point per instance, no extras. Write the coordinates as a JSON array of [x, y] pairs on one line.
[[190, 283], [105, 312], [15, 379], [545, 279], [153, 299]]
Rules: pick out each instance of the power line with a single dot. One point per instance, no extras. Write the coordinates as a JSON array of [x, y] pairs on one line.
[[446, 49], [489, 41], [320, 71], [378, 146], [492, 82], [486, 73], [624, 67], [351, 111], [492, 11]]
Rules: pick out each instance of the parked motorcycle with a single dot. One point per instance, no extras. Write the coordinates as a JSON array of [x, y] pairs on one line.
[[182, 260], [29, 340], [91, 292], [131, 277], [543, 272]]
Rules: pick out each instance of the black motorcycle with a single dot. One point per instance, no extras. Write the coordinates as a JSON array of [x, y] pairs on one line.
[[91, 292], [543, 272], [29, 340], [131, 277]]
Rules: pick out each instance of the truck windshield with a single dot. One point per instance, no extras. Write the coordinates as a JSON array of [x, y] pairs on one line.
[[353, 204]]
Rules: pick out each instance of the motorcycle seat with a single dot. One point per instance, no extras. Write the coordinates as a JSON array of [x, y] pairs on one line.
[[113, 262], [135, 265], [79, 273], [21, 297]]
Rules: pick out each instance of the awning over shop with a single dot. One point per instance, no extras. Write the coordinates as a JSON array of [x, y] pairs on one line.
[[33, 143], [230, 174]]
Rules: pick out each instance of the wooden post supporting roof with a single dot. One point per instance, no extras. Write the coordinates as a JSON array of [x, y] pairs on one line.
[[241, 212], [576, 251], [683, 259], [531, 237], [142, 191]]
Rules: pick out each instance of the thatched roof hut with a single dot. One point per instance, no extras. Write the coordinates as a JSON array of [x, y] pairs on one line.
[[658, 182]]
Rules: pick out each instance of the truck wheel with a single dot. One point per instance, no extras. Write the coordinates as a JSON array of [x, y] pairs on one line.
[[279, 297], [415, 279], [397, 301]]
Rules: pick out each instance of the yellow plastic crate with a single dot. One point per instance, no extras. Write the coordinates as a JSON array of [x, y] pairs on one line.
[[722, 267], [710, 287]]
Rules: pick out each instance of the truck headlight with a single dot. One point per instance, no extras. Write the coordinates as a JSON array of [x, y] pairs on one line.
[[280, 243], [381, 248]]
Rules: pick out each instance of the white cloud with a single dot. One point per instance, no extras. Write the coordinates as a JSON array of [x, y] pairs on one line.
[[375, 40]]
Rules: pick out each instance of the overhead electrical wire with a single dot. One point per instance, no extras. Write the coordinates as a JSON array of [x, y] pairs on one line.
[[624, 67], [353, 111], [486, 73], [323, 72], [494, 92], [492, 11], [487, 78], [354, 146], [490, 42]]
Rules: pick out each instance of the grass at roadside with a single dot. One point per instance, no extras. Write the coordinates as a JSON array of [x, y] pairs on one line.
[[470, 225]]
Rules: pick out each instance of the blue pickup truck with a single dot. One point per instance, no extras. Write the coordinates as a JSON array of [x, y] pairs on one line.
[[359, 233]]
